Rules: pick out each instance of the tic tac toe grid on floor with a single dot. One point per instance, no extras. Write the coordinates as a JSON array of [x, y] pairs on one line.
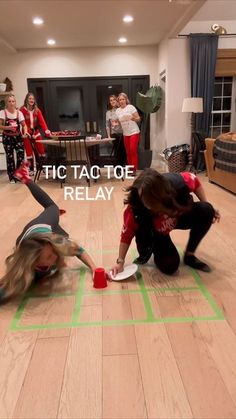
[[148, 298]]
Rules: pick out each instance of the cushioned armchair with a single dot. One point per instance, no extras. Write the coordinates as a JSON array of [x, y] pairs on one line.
[[222, 178]]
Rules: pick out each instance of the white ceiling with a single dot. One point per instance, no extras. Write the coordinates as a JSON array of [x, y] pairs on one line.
[[94, 23], [91, 23], [217, 10]]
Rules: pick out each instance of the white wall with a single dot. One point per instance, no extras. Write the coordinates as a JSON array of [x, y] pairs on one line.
[[178, 123], [159, 118], [173, 126], [81, 62]]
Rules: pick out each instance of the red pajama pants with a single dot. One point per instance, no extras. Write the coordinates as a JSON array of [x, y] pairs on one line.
[[29, 150], [131, 148]]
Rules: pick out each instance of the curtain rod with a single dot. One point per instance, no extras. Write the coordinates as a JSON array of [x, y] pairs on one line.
[[185, 35]]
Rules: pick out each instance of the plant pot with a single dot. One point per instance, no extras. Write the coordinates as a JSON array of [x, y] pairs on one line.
[[3, 87], [144, 158]]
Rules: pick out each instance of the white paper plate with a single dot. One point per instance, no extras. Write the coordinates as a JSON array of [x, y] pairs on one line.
[[127, 272]]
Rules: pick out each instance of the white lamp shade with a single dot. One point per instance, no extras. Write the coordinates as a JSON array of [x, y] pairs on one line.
[[192, 104]]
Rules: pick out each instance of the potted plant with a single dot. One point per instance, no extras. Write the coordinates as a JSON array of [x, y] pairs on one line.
[[148, 103], [3, 87], [6, 85]]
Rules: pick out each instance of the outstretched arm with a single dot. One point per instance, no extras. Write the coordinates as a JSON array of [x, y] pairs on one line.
[[119, 266], [87, 260]]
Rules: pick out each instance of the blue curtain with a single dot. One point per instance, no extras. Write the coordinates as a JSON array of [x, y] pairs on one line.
[[203, 50]]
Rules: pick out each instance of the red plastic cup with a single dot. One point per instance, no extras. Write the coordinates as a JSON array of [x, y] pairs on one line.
[[100, 278]]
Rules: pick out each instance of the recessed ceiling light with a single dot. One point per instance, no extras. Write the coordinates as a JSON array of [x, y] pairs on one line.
[[109, 87], [51, 41], [122, 40], [128, 19], [38, 21]]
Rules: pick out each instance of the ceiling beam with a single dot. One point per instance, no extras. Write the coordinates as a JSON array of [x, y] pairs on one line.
[[187, 15], [5, 46]]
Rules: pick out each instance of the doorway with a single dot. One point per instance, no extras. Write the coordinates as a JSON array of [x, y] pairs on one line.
[[81, 103]]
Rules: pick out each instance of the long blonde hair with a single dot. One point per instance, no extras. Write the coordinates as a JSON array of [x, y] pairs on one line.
[[20, 265]]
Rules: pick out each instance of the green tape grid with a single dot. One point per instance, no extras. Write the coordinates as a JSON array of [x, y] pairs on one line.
[[149, 319], [142, 291]]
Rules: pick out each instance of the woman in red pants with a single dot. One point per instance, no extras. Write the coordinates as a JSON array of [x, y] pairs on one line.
[[34, 120], [128, 117]]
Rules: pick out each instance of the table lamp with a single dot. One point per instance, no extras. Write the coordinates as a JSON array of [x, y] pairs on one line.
[[192, 105]]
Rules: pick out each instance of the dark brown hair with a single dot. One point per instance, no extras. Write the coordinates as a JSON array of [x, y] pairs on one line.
[[109, 107], [152, 190]]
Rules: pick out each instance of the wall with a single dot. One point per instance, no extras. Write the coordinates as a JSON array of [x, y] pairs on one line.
[[81, 62], [173, 126], [178, 123], [159, 118]]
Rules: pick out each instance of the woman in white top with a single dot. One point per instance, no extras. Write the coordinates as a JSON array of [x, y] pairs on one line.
[[128, 117], [114, 130], [11, 121]]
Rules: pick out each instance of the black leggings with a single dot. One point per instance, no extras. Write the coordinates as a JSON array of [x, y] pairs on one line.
[[50, 214], [166, 256], [118, 149]]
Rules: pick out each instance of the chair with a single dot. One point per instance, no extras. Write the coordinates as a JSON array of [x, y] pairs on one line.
[[64, 152], [198, 147], [113, 157]]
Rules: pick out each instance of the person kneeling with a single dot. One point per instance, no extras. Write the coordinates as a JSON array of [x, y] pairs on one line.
[[156, 205]]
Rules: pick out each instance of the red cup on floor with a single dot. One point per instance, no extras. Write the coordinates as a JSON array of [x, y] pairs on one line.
[[100, 278]]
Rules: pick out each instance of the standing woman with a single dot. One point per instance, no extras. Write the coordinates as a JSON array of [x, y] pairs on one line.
[[11, 121], [114, 130], [128, 117], [34, 120]]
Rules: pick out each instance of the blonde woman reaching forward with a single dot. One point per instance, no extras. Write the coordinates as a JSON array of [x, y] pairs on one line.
[[129, 117], [41, 247]]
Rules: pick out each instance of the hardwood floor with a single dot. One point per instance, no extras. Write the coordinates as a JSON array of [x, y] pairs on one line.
[[152, 347]]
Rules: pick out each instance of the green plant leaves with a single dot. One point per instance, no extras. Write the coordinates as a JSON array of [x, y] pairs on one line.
[[151, 101]]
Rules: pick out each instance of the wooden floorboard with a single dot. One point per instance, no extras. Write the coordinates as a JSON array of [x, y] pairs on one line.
[[146, 348]]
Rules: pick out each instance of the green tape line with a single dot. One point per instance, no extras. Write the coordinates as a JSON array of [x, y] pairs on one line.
[[79, 296], [207, 294], [130, 291], [115, 323], [19, 312], [146, 301]]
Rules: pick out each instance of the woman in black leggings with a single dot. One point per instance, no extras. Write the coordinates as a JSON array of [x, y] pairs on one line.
[[41, 247], [157, 204]]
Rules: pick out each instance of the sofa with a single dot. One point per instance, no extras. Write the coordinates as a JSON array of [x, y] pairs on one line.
[[216, 175]]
